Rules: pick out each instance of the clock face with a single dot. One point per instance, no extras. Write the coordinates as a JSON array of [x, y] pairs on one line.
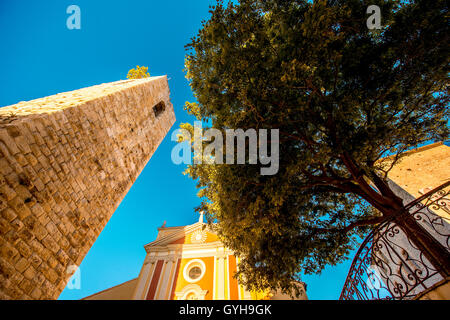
[[198, 237]]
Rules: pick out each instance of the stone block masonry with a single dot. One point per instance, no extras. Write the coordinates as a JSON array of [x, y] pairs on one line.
[[66, 163]]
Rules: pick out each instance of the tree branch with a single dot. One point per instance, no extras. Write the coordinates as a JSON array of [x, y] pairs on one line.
[[363, 223]]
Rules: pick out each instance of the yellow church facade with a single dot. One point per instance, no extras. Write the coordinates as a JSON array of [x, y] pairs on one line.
[[187, 263]]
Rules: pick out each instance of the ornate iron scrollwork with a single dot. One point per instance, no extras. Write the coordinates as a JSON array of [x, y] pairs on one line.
[[388, 265]]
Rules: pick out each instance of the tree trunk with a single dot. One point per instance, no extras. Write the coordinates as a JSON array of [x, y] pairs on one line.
[[436, 253], [431, 249], [389, 204]]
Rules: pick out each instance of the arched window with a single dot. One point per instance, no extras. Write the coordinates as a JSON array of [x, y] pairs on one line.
[[191, 296], [191, 292]]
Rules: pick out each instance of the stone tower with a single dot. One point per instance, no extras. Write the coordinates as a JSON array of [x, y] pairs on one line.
[[66, 163]]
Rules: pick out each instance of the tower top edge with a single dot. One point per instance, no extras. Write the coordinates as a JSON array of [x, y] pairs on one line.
[[69, 99]]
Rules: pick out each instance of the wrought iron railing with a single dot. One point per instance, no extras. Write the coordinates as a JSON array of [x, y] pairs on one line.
[[388, 265]]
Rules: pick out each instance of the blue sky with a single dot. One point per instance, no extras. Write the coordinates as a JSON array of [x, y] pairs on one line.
[[39, 56]]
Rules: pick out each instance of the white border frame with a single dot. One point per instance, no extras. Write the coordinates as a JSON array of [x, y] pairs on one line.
[[197, 262]]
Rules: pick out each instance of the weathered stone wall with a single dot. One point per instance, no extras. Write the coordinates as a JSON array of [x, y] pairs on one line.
[[422, 169], [66, 163]]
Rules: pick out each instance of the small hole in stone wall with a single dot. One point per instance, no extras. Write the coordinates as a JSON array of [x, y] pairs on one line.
[[159, 109]]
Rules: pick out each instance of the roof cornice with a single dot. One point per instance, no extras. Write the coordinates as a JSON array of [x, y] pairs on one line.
[[165, 240]]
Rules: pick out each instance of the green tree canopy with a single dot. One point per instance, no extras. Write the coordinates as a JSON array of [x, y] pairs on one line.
[[138, 73], [342, 96]]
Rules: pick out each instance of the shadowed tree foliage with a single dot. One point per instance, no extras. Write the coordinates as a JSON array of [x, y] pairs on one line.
[[138, 73], [343, 97]]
